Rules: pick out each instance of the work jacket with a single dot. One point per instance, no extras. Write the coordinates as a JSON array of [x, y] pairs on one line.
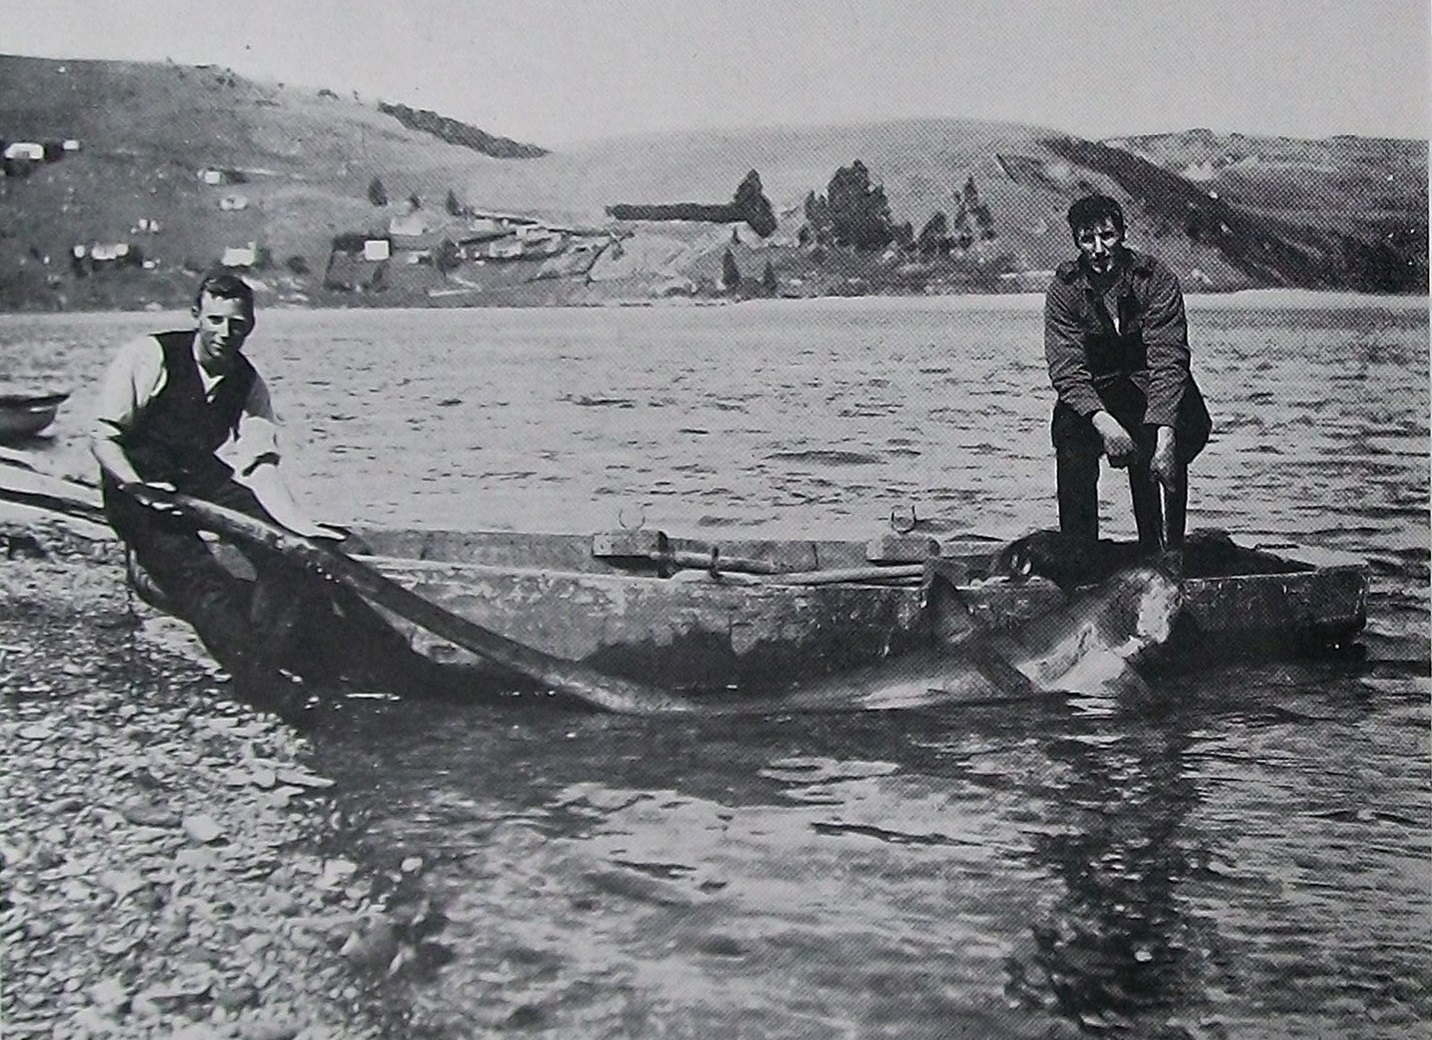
[[1124, 351]]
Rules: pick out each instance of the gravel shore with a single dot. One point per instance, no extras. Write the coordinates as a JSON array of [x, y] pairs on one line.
[[171, 864]]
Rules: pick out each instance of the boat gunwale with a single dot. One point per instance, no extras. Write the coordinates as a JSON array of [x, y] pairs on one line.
[[1303, 558]]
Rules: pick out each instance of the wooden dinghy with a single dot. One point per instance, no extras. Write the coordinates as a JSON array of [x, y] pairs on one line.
[[684, 615], [672, 614], [25, 413]]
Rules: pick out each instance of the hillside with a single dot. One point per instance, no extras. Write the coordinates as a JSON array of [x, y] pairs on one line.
[[296, 170], [301, 161]]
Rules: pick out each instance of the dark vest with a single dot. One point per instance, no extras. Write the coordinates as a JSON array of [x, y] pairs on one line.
[[177, 433]]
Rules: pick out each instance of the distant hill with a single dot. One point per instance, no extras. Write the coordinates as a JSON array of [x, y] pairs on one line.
[[501, 221], [1367, 196]]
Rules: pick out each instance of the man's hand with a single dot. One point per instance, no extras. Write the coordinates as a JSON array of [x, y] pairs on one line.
[[1118, 445], [139, 490], [1164, 464], [334, 534]]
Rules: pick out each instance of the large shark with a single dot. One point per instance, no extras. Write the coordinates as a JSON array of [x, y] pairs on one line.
[[1091, 644]]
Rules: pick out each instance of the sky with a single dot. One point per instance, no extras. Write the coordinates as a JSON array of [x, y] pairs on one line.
[[553, 72]]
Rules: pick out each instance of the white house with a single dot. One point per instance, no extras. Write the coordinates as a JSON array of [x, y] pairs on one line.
[[239, 256], [25, 150], [109, 250], [233, 203], [376, 249]]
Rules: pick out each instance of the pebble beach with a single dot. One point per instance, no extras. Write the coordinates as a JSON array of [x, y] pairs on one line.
[[168, 857]]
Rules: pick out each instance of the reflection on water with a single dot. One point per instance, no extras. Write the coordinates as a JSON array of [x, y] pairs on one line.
[[1168, 869], [1243, 852], [1119, 944]]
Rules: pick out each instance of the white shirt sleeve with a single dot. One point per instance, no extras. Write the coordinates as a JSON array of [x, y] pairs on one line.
[[133, 378], [256, 439]]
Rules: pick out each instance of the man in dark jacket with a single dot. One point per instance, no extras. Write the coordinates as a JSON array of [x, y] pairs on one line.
[[1116, 341], [186, 411]]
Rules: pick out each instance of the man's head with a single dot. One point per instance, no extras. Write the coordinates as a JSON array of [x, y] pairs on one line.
[[1097, 224], [224, 310]]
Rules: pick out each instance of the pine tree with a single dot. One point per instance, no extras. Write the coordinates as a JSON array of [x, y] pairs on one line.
[[768, 280], [751, 202], [730, 273], [934, 238], [377, 194]]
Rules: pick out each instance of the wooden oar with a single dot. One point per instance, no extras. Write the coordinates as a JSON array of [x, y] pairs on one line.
[[653, 546], [611, 693], [25, 486], [874, 574]]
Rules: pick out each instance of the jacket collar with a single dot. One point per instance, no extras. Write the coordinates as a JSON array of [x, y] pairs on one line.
[[1073, 272]]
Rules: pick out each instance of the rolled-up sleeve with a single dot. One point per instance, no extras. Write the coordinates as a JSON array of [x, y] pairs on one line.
[[1166, 344], [130, 382], [1064, 350], [256, 439]]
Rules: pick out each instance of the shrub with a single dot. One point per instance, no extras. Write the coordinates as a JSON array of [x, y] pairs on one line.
[[447, 257]]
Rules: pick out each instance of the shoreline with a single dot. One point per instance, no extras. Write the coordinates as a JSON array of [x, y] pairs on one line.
[[173, 865], [1240, 299]]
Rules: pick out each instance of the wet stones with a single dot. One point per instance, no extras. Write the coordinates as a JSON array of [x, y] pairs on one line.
[[162, 847]]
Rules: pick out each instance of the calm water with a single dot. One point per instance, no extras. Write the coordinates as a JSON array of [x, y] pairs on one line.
[[1245, 853]]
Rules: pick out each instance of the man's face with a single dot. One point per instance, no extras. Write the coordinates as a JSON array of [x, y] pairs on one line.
[[223, 327], [1099, 245]]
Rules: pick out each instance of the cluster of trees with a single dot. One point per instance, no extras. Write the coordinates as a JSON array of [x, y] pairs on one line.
[[854, 212], [733, 282], [749, 204]]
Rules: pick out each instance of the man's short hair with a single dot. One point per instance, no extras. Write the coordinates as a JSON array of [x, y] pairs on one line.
[[224, 285], [1093, 210]]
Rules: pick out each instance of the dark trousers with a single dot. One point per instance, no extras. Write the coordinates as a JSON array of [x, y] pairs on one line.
[[246, 625], [1077, 478]]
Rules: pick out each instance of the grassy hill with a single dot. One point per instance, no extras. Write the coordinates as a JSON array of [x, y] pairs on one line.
[[1226, 211], [146, 130]]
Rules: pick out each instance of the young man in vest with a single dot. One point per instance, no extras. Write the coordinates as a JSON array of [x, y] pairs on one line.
[[1116, 341], [186, 411]]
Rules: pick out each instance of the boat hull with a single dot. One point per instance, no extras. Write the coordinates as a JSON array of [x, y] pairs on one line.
[[699, 631], [26, 415]]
